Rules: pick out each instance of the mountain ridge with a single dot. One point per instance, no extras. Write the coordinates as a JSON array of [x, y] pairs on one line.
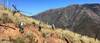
[[83, 19]]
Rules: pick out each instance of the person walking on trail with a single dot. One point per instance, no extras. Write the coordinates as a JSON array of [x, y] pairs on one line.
[[21, 27]]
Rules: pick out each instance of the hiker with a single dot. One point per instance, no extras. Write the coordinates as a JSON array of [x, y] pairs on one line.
[[21, 27], [53, 26], [40, 27]]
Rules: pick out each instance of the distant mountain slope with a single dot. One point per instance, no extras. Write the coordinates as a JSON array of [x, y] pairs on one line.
[[84, 19]]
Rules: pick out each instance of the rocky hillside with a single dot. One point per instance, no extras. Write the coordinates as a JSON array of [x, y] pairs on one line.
[[83, 19], [9, 31]]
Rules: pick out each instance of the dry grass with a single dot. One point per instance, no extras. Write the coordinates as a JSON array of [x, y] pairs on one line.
[[14, 18], [46, 35]]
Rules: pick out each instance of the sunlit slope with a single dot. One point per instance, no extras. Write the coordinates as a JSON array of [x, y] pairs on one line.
[[10, 33], [7, 15]]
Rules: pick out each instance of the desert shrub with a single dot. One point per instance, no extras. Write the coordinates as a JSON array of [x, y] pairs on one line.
[[5, 18], [8, 9], [32, 38], [26, 38], [19, 40]]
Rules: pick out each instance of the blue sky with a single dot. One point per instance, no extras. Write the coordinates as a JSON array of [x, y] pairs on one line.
[[38, 6]]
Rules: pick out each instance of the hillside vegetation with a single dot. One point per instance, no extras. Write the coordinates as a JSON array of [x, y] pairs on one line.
[[9, 32]]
